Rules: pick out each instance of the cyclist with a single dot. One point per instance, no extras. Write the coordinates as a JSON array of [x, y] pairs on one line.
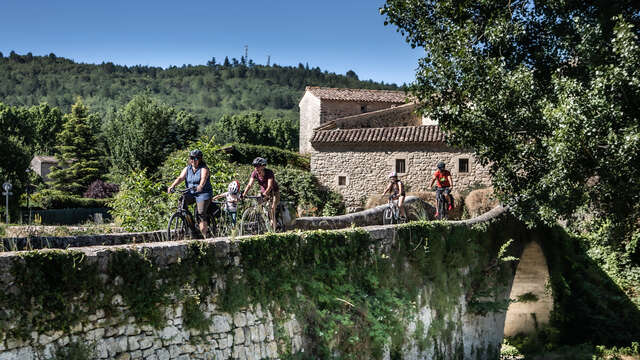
[[445, 184], [196, 175], [396, 188], [231, 200], [268, 186]]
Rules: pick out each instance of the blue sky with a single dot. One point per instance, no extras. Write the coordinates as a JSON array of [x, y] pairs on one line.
[[335, 35]]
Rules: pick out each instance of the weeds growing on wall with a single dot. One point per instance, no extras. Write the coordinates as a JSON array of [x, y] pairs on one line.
[[353, 295]]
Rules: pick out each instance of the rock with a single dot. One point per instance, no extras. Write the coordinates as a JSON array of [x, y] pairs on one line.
[[251, 319], [145, 343], [168, 333], [163, 354], [132, 330], [220, 324], [174, 351], [238, 336], [188, 349], [136, 354], [262, 333], [239, 319], [255, 333], [133, 343], [123, 356], [272, 350]]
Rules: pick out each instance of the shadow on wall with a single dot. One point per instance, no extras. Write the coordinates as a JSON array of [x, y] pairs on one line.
[[588, 306]]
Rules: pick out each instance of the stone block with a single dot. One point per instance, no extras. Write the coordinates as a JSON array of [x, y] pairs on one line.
[[133, 343], [239, 319], [145, 343], [174, 351], [238, 336], [220, 324], [163, 354]]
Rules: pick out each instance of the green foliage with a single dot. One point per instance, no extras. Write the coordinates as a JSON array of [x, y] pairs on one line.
[[207, 92], [47, 123], [143, 133], [56, 199], [79, 155], [15, 146], [245, 153], [545, 93], [253, 128], [142, 203], [76, 351]]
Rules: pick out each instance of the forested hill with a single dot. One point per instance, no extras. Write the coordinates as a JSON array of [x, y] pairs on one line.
[[207, 91]]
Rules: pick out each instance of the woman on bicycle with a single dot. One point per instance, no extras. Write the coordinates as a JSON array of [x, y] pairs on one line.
[[396, 189], [268, 186], [196, 175], [445, 184]]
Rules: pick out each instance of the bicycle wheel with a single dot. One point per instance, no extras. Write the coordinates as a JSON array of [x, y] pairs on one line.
[[387, 216], [252, 222], [177, 228], [442, 215]]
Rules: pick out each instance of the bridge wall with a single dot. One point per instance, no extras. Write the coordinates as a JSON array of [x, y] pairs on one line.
[[421, 290]]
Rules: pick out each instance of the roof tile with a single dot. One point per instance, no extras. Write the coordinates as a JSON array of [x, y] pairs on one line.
[[365, 95], [403, 134]]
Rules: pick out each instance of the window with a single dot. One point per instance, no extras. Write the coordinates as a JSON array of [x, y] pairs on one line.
[[401, 166], [363, 108], [463, 165], [342, 180]]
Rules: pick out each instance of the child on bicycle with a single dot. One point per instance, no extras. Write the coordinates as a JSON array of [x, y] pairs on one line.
[[396, 189], [231, 200], [445, 184]]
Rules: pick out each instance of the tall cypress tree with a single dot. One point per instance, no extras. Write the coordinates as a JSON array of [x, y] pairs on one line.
[[78, 152]]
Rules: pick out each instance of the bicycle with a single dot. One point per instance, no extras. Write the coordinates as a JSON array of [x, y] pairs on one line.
[[257, 218], [223, 225], [441, 204], [182, 225], [391, 214]]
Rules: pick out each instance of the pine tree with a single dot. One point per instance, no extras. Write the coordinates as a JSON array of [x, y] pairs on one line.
[[78, 153]]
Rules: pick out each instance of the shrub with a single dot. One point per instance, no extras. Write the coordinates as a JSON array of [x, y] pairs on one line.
[[101, 190], [480, 201], [142, 204], [245, 153], [56, 199]]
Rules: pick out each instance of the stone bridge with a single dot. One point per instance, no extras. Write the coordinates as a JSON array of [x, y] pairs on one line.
[[421, 290]]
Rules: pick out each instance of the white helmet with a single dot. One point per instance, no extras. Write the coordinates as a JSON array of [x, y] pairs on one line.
[[393, 174], [234, 186]]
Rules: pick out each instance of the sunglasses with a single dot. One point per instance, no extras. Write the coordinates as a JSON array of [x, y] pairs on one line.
[[193, 157]]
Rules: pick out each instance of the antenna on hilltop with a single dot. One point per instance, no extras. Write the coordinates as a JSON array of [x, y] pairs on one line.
[[246, 53], [268, 59]]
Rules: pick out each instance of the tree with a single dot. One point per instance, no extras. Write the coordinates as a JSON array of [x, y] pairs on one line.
[[47, 122], [546, 93], [14, 147], [252, 128], [143, 133], [79, 156]]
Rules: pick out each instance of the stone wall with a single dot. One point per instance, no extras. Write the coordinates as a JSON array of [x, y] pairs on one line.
[[366, 168], [309, 120], [251, 332]]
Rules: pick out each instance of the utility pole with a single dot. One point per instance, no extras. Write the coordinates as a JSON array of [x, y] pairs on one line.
[[246, 53]]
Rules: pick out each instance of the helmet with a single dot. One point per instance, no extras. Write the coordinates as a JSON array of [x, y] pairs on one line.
[[234, 186], [259, 161], [195, 153], [441, 165], [393, 174]]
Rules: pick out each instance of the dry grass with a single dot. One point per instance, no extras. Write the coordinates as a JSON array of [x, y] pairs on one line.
[[480, 201]]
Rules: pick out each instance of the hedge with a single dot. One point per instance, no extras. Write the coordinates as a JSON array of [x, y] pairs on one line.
[[245, 153], [55, 200]]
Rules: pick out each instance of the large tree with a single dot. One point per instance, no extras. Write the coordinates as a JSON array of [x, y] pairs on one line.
[[78, 150], [142, 134], [547, 93]]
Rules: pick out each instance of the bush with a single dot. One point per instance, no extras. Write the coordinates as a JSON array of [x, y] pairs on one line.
[[142, 204], [245, 153], [56, 199], [101, 190]]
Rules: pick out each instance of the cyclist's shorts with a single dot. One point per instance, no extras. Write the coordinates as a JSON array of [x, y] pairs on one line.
[[446, 190]]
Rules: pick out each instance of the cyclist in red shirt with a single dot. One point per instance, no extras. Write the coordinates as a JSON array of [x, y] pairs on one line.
[[445, 184]]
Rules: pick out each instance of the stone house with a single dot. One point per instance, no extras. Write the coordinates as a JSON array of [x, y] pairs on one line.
[[356, 137], [42, 165]]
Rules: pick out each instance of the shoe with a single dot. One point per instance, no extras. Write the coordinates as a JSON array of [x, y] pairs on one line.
[[437, 214], [450, 207]]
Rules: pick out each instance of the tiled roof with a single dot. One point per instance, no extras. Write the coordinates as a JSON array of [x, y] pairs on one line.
[[358, 94], [404, 134], [46, 159]]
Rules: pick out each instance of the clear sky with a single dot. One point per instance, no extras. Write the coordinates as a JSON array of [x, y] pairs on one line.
[[336, 35]]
